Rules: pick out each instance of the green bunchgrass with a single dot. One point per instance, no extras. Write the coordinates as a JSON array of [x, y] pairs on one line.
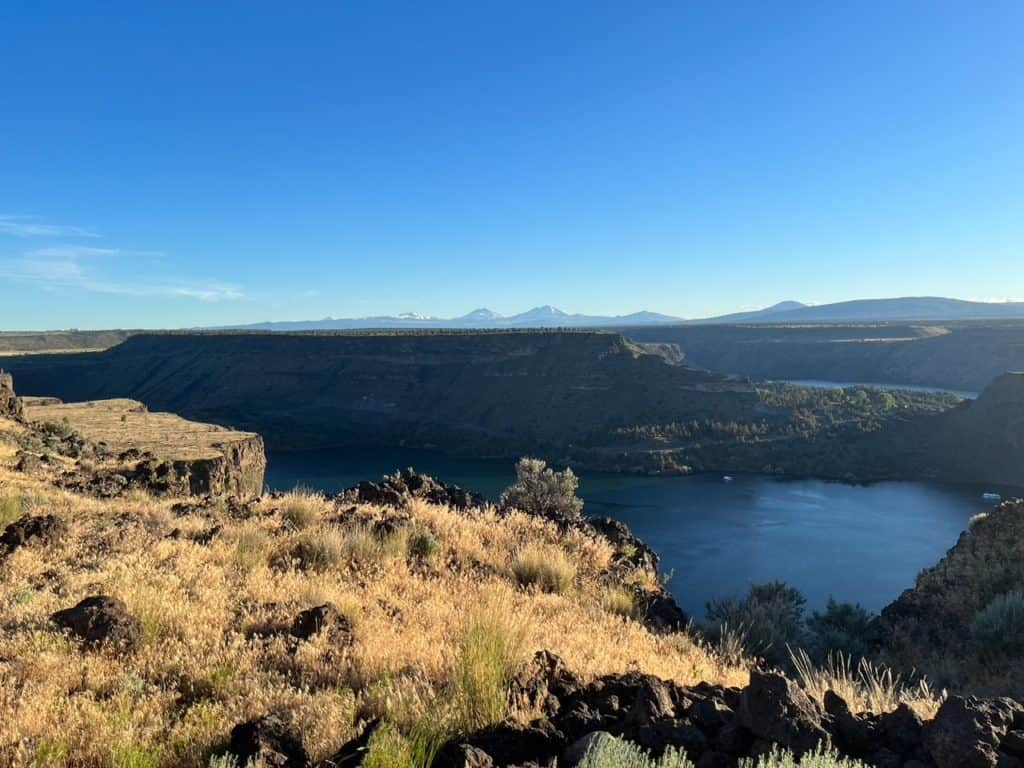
[[489, 655], [546, 568]]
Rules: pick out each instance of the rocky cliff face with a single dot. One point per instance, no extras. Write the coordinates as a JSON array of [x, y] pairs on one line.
[[959, 356], [10, 405], [585, 398], [929, 628]]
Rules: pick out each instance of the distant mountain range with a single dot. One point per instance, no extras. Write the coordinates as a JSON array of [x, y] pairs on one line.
[[538, 317], [909, 309]]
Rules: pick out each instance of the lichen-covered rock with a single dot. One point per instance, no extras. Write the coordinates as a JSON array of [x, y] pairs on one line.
[[101, 619]]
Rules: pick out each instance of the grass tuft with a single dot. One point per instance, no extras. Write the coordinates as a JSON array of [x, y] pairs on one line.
[[490, 652], [546, 568]]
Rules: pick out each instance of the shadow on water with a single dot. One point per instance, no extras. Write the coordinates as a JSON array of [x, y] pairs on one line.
[[861, 543]]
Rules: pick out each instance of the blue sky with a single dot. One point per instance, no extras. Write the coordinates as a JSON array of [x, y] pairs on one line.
[[193, 163]]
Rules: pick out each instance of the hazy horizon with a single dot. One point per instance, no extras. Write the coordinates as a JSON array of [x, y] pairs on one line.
[[175, 167]]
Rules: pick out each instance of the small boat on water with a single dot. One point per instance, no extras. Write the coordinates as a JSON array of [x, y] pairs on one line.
[[727, 478], [991, 497]]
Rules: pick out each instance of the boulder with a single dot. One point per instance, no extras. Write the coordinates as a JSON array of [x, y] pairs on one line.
[[543, 685], [101, 619], [774, 708], [32, 529], [321, 618], [268, 741], [967, 732], [511, 742]]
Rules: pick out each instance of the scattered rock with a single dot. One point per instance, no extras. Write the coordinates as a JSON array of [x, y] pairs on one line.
[[101, 619], [268, 741]]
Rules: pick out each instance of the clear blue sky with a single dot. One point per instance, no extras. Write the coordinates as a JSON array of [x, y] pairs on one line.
[[195, 163]]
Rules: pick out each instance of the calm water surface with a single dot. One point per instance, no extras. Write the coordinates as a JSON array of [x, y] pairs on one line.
[[862, 543]]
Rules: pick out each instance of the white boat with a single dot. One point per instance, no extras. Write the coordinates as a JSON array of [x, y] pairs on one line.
[[991, 497], [727, 478]]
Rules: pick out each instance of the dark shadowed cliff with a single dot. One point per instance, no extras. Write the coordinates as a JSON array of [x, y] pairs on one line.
[[588, 398]]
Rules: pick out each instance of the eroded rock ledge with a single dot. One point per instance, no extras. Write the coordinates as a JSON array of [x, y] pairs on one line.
[[107, 447]]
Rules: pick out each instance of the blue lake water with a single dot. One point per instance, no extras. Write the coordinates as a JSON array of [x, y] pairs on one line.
[[861, 543]]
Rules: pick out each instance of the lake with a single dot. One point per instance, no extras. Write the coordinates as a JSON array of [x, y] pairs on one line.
[[860, 543]]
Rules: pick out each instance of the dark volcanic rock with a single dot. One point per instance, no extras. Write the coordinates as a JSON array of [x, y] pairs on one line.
[[776, 709], [398, 489], [543, 685], [966, 733], [268, 741], [101, 619], [320, 619], [32, 529]]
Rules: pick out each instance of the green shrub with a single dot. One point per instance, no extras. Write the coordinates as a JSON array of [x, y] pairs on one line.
[[387, 748], [11, 508], [390, 748], [767, 621], [539, 490], [422, 544], [50, 753], [489, 654], [619, 601], [819, 758], [132, 756], [606, 751], [843, 628], [301, 510], [319, 550], [547, 568], [998, 629], [251, 544]]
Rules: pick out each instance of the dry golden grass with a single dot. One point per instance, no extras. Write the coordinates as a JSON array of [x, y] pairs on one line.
[[866, 687], [207, 661]]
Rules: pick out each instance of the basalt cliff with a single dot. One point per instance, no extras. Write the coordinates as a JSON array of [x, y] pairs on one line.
[[589, 399]]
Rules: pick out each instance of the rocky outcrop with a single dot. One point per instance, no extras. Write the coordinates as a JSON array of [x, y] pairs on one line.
[[399, 489], [121, 445], [718, 726], [10, 404], [928, 628], [100, 620]]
